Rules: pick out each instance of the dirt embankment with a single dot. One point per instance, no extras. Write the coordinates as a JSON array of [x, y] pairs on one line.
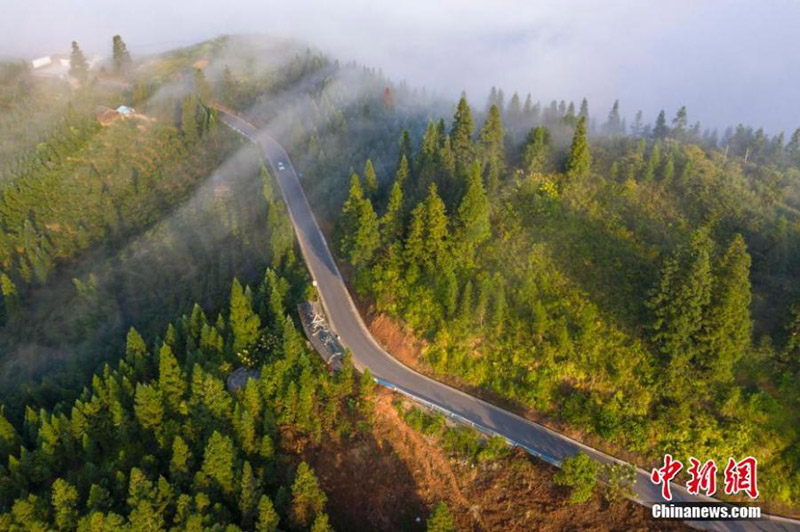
[[389, 478]]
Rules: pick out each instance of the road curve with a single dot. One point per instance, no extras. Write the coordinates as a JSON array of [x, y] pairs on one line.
[[346, 321]]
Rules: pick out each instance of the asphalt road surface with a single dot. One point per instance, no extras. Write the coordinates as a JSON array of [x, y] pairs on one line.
[[346, 321]]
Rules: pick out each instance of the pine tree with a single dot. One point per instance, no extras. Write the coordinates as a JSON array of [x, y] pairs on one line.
[[584, 111], [148, 406], [268, 519], [579, 159], [244, 323], [536, 156], [727, 327], [426, 160], [308, 500], [653, 162], [249, 494], [9, 440], [218, 459], [435, 251], [614, 124], [679, 304], [391, 223], [473, 215], [122, 59], [492, 148], [322, 524], [461, 135], [170, 380], [180, 464], [661, 130], [65, 505], [402, 171], [370, 180], [364, 242], [78, 67], [405, 146], [680, 122]]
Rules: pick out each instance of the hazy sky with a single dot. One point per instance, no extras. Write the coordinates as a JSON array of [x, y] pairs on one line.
[[729, 61]]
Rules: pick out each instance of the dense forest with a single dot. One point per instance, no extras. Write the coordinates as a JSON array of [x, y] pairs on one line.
[[635, 283], [159, 442]]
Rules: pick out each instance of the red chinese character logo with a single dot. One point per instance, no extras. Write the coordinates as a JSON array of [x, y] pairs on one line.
[[664, 474], [741, 476], [703, 477]]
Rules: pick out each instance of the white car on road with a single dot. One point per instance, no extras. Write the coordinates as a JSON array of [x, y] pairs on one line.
[[281, 167]]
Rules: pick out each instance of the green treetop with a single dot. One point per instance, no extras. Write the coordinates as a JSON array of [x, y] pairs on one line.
[[244, 323], [461, 134], [370, 179], [579, 159], [121, 56], [473, 214]]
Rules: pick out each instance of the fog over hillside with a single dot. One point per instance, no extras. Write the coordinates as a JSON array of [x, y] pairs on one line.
[[729, 61]]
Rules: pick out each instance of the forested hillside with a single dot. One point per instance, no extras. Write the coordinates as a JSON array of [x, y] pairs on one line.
[[107, 223], [157, 441], [634, 283]]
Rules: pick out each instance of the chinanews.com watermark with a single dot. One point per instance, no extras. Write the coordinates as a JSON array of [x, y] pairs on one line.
[[739, 477], [704, 511]]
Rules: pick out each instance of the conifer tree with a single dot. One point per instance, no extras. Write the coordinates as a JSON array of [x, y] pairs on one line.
[[268, 519], [244, 323], [149, 406], [492, 147], [727, 326], [308, 500], [579, 159], [435, 251], [405, 146], [218, 459], [537, 150], [65, 503], [391, 223], [614, 124], [370, 180], [321, 524], [121, 56], [461, 135], [180, 463], [680, 122], [679, 304], [402, 171], [584, 111], [661, 130], [170, 380], [78, 67], [473, 215], [249, 494]]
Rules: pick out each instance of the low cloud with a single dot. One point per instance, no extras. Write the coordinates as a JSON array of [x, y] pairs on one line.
[[729, 62]]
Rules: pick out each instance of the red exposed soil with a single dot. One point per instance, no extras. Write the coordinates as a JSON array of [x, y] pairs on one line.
[[388, 479]]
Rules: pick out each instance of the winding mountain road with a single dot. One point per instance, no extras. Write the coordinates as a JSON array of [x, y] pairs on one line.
[[348, 324]]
